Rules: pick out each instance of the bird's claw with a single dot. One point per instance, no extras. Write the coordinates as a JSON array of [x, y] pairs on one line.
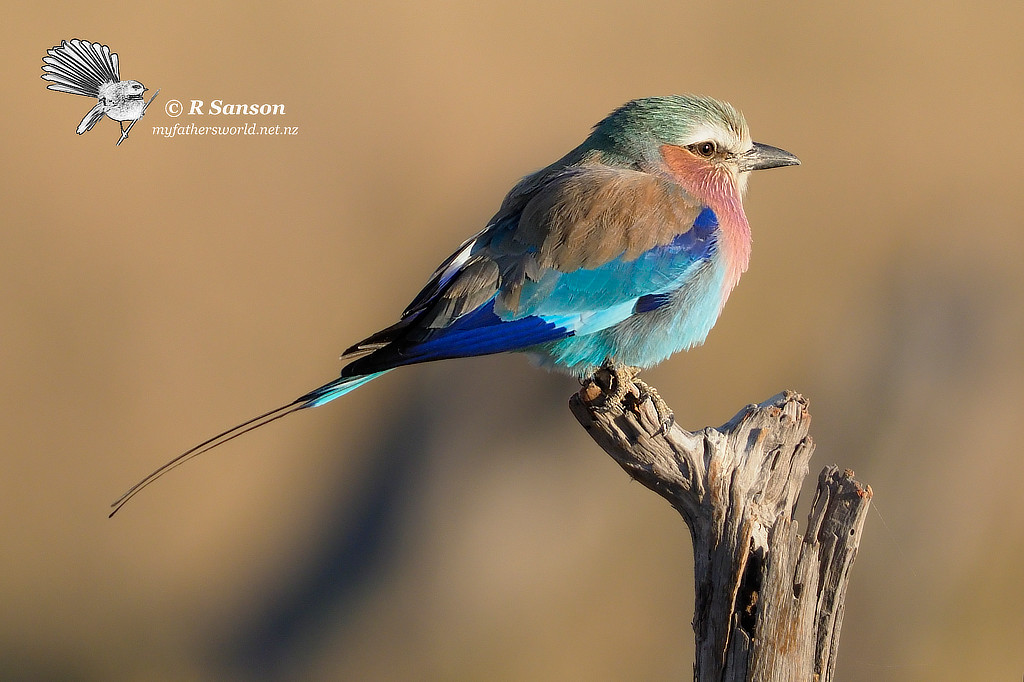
[[619, 379], [616, 382], [666, 418]]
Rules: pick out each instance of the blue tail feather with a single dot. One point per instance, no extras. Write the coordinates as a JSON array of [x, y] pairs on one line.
[[336, 389]]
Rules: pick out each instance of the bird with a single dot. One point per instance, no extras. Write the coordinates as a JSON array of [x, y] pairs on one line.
[[617, 255], [80, 67]]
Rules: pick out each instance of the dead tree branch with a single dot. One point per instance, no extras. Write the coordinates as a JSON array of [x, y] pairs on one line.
[[768, 603]]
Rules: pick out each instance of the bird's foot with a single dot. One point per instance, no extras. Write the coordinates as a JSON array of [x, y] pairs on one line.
[[615, 380], [666, 418]]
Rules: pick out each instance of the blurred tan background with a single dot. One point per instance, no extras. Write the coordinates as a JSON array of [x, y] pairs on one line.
[[453, 522]]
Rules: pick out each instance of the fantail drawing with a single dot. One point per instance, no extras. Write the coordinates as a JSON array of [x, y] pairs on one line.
[[90, 70]]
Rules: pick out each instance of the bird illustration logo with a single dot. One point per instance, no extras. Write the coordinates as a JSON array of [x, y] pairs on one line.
[[89, 69], [617, 255]]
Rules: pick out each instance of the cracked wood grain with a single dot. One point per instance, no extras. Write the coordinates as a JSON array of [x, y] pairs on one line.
[[768, 602]]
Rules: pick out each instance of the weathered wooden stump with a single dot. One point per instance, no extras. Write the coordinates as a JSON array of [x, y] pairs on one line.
[[768, 603]]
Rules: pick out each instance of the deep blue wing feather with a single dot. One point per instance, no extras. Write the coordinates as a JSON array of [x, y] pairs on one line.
[[582, 301]]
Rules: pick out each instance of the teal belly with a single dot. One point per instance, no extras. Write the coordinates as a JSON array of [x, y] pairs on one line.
[[645, 339]]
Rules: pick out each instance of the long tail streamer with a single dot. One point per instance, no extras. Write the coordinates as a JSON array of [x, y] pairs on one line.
[[314, 398]]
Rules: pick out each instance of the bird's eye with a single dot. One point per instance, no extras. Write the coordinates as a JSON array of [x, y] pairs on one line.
[[705, 149]]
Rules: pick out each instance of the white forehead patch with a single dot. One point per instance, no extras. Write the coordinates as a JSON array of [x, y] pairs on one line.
[[723, 136]]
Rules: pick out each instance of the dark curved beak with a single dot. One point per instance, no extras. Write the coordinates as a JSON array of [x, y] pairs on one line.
[[763, 156]]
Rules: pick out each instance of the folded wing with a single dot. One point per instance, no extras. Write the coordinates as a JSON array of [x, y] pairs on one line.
[[589, 247]]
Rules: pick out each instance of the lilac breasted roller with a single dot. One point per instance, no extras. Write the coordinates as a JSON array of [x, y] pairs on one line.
[[620, 253]]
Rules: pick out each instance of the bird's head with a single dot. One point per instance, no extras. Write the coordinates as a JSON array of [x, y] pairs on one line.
[[131, 89], [704, 144]]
